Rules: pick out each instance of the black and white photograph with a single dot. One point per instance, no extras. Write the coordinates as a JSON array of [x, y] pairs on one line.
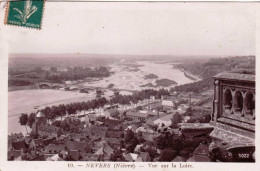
[[129, 82]]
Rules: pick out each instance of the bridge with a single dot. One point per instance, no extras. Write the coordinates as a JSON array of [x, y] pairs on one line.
[[47, 85]]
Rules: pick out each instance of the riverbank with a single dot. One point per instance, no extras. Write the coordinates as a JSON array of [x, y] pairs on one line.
[[190, 76], [31, 100], [28, 101]]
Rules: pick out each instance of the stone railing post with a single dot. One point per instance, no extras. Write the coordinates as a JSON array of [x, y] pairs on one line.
[[233, 101], [243, 112]]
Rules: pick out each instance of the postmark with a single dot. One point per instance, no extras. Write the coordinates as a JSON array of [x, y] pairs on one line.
[[25, 13]]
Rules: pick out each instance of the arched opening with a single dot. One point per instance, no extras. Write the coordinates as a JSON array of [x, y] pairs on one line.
[[45, 86], [238, 102], [227, 101], [249, 103]]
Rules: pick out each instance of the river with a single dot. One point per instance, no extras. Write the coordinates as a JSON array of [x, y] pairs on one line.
[[25, 101]]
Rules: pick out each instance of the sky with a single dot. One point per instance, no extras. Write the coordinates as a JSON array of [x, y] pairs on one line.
[[137, 28]]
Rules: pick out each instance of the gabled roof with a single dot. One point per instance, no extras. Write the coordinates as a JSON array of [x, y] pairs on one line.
[[54, 158], [139, 159], [130, 157], [105, 149], [112, 141], [145, 156], [40, 115], [73, 145], [202, 149], [178, 159]]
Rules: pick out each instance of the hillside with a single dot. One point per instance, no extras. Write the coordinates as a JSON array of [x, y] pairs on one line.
[[205, 70]]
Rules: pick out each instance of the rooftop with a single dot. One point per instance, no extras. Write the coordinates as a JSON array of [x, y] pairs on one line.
[[235, 76], [137, 114], [39, 114]]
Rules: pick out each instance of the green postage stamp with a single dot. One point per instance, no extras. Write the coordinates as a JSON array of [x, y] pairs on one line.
[[26, 13]]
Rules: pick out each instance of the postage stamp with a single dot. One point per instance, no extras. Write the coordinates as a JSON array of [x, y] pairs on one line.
[[25, 13]]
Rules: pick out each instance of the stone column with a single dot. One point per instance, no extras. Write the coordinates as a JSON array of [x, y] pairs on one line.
[[243, 112], [216, 104], [233, 101]]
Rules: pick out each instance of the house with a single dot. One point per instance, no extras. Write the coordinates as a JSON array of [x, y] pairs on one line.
[[144, 156], [99, 123], [138, 148], [104, 152], [13, 154], [37, 143], [55, 157], [98, 131], [144, 129], [54, 148], [15, 137], [141, 157], [76, 146], [154, 106], [114, 134], [137, 116], [130, 157], [201, 154], [113, 142], [92, 118], [166, 120], [78, 136], [131, 127], [178, 159], [50, 131], [168, 103], [111, 113], [40, 118], [148, 136], [19, 145], [48, 141]]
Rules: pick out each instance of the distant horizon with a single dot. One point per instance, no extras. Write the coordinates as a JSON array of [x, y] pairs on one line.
[[100, 55]]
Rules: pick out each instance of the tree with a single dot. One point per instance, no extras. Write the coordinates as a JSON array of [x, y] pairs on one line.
[[23, 120], [31, 119], [56, 123], [129, 135], [47, 112], [131, 140], [61, 111], [152, 152], [176, 118], [188, 111]]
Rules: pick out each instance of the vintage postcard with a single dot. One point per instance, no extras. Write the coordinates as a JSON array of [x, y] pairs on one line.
[[129, 85]]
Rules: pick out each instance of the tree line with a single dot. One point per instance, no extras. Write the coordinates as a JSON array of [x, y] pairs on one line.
[[53, 112], [78, 73]]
